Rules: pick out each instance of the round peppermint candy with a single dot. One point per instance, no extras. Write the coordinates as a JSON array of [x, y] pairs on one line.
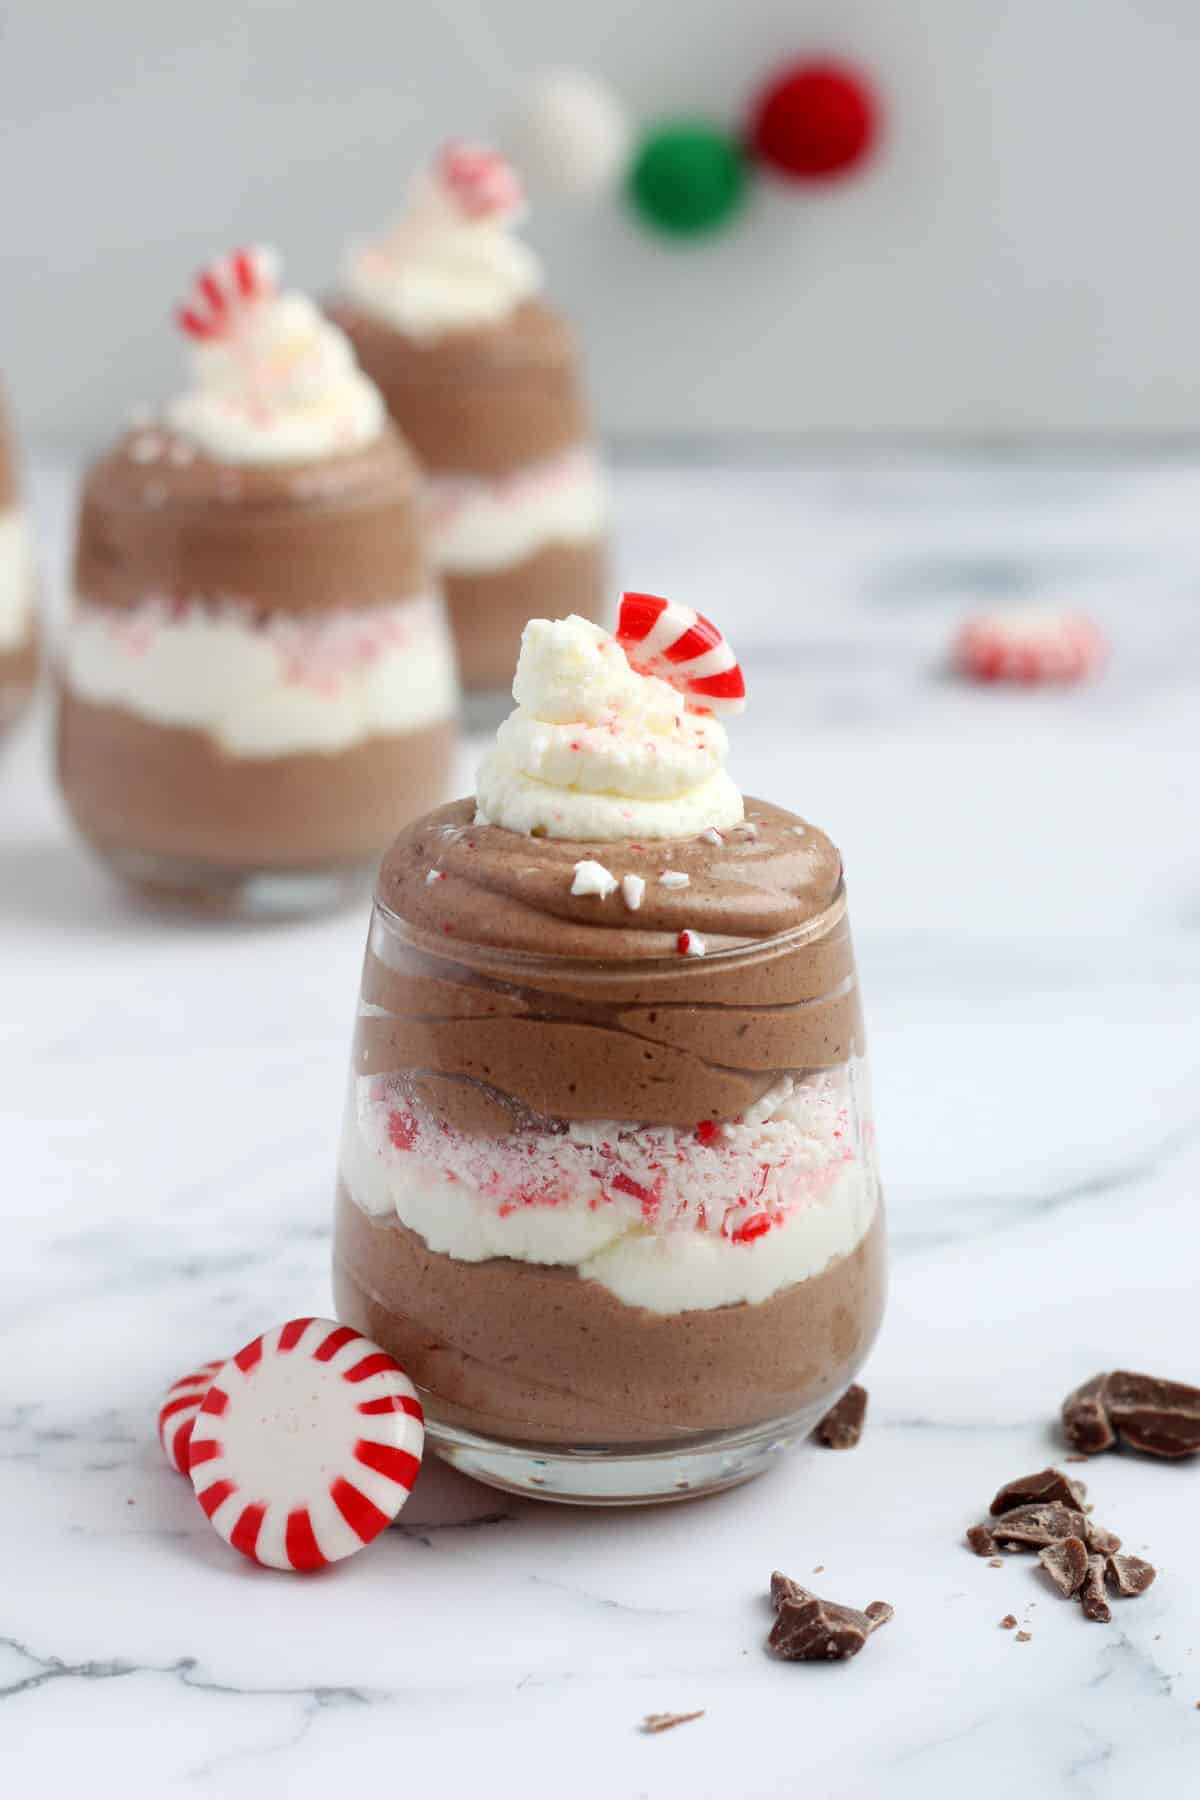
[[307, 1445], [1029, 644], [177, 1414]]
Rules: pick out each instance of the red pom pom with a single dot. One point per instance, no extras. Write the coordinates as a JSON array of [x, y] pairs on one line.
[[814, 120]]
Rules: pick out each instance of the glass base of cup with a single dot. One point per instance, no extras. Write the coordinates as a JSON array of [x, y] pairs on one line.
[[598, 1476], [227, 891]]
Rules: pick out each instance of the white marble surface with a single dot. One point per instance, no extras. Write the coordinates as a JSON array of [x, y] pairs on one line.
[[1025, 883]]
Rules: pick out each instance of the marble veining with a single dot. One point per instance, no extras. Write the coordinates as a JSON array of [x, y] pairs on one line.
[[1024, 877]]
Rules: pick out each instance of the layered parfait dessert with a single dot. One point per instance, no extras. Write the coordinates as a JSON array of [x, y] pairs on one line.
[[607, 1182], [483, 378], [258, 682], [18, 631]]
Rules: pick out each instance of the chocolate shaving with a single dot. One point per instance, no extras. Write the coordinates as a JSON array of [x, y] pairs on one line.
[[1028, 1527], [1066, 1563], [842, 1425], [981, 1541], [1085, 1419], [1161, 1418], [656, 1722], [1008, 1622], [1038, 1490], [807, 1629], [1091, 1594], [1129, 1575], [1100, 1541]]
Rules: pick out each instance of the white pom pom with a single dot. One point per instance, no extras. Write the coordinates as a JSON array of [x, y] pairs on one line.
[[571, 136]]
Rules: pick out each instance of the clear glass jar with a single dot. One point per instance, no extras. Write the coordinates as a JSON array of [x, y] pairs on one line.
[[257, 681], [498, 418], [597, 1304], [18, 622]]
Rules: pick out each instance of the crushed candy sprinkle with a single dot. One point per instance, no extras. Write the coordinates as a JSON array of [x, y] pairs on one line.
[[674, 878], [710, 835], [633, 887], [690, 943], [593, 878]]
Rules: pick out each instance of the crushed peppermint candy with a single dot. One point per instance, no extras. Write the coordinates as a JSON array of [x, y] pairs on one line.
[[690, 943], [747, 829], [435, 875], [710, 835], [674, 878], [593, 878], [632, 889], [800, 830], [146, 449]]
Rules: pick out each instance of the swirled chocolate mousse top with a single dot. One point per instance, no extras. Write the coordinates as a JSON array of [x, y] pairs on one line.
[[605, 826], [275, 478]]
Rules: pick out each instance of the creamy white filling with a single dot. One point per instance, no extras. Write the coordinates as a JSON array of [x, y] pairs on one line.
[[16, 579], [282, 686], [436, 274], [483, 525], [657, 1217]]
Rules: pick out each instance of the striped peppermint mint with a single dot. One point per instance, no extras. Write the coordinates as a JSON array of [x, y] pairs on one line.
[[177, 1414], [307, 1445], [1031, 644], [683, 648]]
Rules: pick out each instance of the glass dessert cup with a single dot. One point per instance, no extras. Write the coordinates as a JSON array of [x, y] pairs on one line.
[[257, 681], [496, 416], [18, 625], [617, 1215]]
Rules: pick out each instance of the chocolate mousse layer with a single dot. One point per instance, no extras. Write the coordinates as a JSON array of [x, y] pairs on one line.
[[497, 993], [158, 517], [168, 791], [18, 678], [489, 609], [527, 1353], [482, 401]]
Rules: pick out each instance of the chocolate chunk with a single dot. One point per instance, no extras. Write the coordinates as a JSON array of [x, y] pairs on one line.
[[1099, 1541], [981, 1541], [656, 1722], [1038, 1490], [1161, 1418], [1129, 1574], [1066, 1563], [1091, 1594], [1023, 1637], [995, 1562], [1008, 1622], [1085, 1417], [1028, 1527], [842, 1425], [807, 1629]]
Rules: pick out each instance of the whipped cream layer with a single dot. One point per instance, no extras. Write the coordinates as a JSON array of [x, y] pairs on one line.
[[280, 386], [273, 687], [480, 525], [442, 269], [598, 753], [16, 579], [669, 1220]]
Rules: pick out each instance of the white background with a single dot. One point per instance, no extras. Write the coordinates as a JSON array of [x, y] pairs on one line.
[[1024, 257]]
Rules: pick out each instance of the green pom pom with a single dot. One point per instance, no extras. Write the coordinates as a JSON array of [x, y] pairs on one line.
[[687, 177]]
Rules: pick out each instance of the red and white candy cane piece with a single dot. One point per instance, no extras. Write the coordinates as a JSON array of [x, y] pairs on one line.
[[307, 1445], [684, 648], [483, 183], [226, 290], [1029, 645], [177, 1414]]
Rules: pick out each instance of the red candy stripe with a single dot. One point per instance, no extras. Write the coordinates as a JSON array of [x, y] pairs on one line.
[[683, 648], [224, 292], [307, 1445], [177, 1415]]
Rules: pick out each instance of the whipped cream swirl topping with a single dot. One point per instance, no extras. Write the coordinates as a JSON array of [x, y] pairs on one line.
[[452, 262], [596, 752], [274, 380]]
